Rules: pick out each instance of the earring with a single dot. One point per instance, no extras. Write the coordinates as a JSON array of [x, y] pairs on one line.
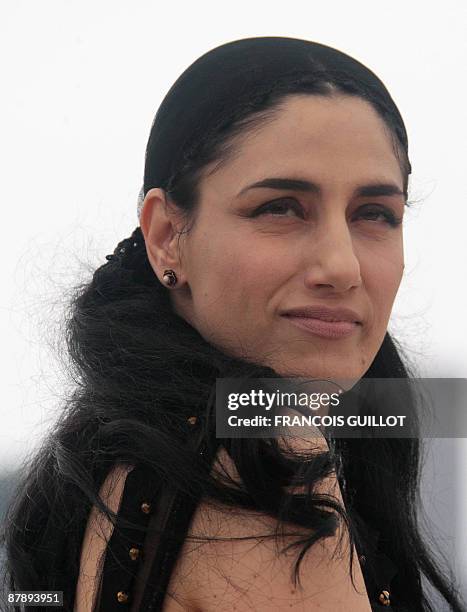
[[169, 278]]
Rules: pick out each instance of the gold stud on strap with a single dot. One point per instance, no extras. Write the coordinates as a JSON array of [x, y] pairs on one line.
[[134, 553], [384, 598], [122, 597], [146, 507]]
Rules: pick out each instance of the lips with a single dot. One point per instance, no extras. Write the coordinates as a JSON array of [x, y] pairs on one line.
[[331, 323], [323, 313]]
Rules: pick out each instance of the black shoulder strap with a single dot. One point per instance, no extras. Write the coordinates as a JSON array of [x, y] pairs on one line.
[[125, 548], [173, 524]]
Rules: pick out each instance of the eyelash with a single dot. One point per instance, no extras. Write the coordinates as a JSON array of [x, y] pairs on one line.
[[389, 217]]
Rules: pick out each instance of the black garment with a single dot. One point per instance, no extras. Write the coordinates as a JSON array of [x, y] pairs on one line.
[[156, 509], [125, 587]]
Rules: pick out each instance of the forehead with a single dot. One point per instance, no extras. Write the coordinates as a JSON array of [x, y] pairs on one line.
[[337, 141]]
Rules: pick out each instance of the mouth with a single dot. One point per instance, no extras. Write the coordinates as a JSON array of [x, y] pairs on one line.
[[324, 327], [324, 321]]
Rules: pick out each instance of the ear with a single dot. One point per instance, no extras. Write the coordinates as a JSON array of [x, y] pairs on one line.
[[159, 223]]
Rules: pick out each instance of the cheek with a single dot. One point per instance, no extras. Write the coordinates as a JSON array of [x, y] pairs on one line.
[[239, 275], [222, 269], [382, 277]]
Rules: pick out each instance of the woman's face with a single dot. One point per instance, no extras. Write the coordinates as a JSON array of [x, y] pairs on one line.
[[319, 240]]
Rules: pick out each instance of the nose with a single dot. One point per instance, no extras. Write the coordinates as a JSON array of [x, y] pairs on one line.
[[333, 263]]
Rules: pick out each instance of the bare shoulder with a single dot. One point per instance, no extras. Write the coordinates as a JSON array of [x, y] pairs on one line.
[[98, 532], [243, 574]]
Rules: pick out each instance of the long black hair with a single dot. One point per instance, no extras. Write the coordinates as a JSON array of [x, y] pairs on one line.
[[141, 370]]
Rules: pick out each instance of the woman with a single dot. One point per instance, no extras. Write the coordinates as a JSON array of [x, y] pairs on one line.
[[276, 178]]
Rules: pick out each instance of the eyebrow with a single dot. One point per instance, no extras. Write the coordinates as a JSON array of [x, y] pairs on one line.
[[293, 184]]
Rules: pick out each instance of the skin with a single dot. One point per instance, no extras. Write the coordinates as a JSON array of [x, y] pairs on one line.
[[236, 273]]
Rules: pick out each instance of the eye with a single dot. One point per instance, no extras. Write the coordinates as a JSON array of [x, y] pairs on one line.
[[277, 208], [375, 213]]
